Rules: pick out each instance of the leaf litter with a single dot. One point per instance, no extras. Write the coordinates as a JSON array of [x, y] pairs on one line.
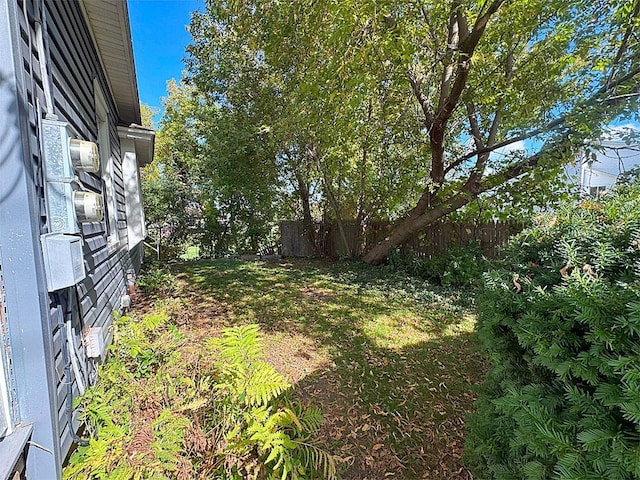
[[393, 407]]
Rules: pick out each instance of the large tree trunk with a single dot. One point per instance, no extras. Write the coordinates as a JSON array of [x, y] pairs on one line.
[[419, 218], [307, 220]]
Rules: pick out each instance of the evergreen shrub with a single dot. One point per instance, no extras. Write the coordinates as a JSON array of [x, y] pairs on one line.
[[560, 323]]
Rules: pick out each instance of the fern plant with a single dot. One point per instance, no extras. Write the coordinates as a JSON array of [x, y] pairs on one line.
[[137, 431], [262, 422], [151, 401]]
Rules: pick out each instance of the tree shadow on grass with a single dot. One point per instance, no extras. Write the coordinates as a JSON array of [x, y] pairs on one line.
[[390, 361], [397, 414], [315, 295]]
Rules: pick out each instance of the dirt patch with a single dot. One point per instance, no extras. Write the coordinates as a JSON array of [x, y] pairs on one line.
[[293, 356], [317, 294], [369, 439]]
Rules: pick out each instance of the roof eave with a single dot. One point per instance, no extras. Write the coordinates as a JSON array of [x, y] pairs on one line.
[[144, 141], [113, 43]]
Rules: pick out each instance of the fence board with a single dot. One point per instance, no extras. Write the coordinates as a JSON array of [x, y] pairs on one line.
[[432, 241]]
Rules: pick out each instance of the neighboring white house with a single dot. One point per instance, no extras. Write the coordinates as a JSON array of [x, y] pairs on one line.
[[612, 157]]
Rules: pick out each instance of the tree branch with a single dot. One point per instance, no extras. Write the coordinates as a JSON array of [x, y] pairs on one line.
[[548, 127], [625, 40], [453, 38], [466, 48], [475, 128], [469, 44], [424, 104]]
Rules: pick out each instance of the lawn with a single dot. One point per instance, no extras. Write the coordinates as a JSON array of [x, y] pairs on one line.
[[391, 361]]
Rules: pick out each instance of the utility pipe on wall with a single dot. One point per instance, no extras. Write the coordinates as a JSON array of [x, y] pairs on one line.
[[41, 24]]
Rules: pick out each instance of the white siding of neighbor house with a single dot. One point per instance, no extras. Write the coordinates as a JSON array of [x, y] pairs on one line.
[[613, 159]]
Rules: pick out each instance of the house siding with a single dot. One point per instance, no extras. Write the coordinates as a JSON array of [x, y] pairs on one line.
[[73, 64], [21, 207]]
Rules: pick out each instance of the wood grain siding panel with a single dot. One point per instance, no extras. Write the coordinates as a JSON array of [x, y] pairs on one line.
[[94, 244], [67, 80], [97, 258], [90, 182], [68, 70], [92, 228], [97, 289], [67, 441], [137, 256], [67, 28]]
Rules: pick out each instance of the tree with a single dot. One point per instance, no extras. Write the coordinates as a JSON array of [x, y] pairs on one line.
[[245, 188], [329, 150], [169, 183], [576, 93], [431, 97]]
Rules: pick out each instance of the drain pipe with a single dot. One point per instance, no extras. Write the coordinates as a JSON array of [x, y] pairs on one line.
[[41, 32], [74, 358], [67, 371]]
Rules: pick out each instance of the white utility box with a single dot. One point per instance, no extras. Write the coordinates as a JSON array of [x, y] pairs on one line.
[[96, 341], [63, 260]]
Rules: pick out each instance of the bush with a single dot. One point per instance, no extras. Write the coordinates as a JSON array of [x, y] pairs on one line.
[[460, 266], [156, 280], [560, 322]]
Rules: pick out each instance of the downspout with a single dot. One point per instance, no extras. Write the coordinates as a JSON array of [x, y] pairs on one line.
[[41, 33]]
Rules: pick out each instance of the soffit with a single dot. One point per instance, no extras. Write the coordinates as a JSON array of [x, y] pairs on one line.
[[109, 25]]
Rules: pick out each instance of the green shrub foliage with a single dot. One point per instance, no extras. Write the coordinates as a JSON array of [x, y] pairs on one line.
[[156, 280], [560, 322], [461, 265]]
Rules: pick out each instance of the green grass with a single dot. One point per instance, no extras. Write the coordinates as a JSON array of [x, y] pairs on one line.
[[192, 252], [390, 360]]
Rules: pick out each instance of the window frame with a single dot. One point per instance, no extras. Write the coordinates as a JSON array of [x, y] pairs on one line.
[[107, 174]]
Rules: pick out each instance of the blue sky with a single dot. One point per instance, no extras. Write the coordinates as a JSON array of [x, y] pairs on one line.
[[159, 34]]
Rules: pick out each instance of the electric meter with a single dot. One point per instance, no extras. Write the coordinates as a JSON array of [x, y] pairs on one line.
[[88, 206], [84, 155]]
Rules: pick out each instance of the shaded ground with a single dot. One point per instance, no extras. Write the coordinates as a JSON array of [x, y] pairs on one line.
[[391, 361]]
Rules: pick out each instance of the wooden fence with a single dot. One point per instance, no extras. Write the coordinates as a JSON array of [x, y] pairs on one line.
[[433, 241]]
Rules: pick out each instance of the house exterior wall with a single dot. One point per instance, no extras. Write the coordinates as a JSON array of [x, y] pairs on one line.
[[32, 376], [600, 173], [35, 321]]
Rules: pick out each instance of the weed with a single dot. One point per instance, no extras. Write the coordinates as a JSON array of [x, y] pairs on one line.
[[156, 280], [459, 266]]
